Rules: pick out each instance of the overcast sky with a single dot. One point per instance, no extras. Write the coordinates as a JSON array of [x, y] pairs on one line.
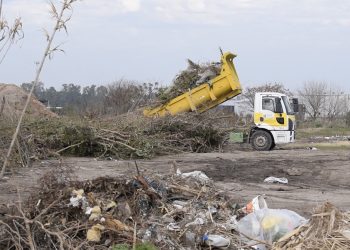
[[287, 41]]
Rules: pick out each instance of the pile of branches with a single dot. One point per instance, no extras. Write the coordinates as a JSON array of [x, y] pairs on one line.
[[129, 136], [193, 76], [170, 212], [23, 151]]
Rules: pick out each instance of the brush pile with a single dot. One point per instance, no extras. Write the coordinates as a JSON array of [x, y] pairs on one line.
[[170, 212], [125, 137], [193, 76], [25, 150]]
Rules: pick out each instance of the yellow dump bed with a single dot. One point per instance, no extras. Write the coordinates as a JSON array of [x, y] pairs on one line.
[[207, 95]]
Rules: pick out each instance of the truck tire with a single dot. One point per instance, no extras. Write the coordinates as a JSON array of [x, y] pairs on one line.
[[261, 140]]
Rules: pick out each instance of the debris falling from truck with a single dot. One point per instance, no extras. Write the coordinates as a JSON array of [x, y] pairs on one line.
[[195, 75]]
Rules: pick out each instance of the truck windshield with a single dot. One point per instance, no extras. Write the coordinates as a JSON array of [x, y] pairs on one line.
[[287, 105]]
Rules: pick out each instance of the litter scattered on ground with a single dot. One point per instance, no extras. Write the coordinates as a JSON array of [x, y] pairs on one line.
[[273, 179], [199, 175], [171, 212], [311, 148], [167, 211], [332, 138]]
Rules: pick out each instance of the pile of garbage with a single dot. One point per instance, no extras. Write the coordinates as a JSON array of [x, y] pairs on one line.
[[193, 76], [177, 211]]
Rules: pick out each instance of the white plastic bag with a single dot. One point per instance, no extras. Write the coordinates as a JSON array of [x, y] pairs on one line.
[[269, 224], [273, 179], [199, 175]]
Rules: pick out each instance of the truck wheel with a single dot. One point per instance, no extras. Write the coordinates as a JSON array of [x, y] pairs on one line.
[[261, 140]]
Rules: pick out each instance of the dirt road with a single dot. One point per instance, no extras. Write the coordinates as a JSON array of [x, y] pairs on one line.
[[314, 176]]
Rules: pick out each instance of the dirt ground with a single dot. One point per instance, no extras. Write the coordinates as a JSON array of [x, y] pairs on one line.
[[314, 176]]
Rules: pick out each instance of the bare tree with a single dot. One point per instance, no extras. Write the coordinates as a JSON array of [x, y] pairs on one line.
[[335, 103], [313, 95], [249, 93], [124, 96], [347, 119]]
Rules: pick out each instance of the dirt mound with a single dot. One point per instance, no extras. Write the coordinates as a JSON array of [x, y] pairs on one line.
[[12, 101]]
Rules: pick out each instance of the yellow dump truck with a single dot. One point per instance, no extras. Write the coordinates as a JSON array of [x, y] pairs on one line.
[[274, 119], [206, 96]]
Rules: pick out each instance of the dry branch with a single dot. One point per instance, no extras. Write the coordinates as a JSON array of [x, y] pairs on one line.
[[126, 137]]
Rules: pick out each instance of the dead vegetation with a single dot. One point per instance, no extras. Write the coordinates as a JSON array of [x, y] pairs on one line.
[[169, 211], [124, 137], [24, 150]]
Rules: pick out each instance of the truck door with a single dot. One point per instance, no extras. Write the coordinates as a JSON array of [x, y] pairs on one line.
[[273, 112]]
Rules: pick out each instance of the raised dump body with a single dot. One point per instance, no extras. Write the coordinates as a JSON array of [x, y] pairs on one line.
[[207, 95]]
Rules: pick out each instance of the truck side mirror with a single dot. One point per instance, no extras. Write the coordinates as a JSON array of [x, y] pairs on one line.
[[279, 108], [295, 105]]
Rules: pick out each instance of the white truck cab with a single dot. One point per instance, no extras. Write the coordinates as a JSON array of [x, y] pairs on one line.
[[274, 120]]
